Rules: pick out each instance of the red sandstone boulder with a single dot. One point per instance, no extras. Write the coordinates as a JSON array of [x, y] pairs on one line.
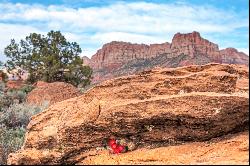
[[179, 109], [51, 92]]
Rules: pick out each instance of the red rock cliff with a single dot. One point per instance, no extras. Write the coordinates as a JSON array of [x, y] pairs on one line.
[[115, 54], [185, 49], [192, 44]]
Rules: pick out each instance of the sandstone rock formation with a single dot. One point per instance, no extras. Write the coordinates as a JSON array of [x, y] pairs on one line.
[[193, 44], [185, 49], [51, 92], [113, 55], [232, 149], [169, 111]]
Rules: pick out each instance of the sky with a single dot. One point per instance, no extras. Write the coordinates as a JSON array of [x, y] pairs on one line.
[[92, 23]]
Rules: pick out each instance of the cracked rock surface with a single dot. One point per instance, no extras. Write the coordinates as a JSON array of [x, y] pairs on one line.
[[159, 110]]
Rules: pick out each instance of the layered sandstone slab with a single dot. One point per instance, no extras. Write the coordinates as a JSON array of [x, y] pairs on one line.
[[230, 150], [156, 108]]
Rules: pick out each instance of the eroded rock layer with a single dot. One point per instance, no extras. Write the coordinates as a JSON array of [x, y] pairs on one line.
[[230, 150], [156, 108]]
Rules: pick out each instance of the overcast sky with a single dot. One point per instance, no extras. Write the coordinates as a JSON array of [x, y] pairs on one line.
[[92, 23]]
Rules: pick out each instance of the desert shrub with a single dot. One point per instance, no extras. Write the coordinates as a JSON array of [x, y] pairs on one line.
[[2, 89], [13, 123], [10, 141], [18, 115], [11, 97], [2, 86], [17, 95], [27, 88], [5, 102]]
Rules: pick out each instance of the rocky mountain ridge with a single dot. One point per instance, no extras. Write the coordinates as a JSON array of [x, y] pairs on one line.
[[185, 49]]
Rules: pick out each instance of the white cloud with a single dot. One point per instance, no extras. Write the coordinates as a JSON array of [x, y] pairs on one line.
[[138, 22], [137, 17]]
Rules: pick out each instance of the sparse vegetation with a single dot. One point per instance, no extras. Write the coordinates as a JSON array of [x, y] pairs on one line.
[[27, 88], [11, 139], [7, 98], [15, 115], [18, 115]]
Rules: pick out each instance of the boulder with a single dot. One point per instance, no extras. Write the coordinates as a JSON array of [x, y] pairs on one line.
[[51, 92], [156, 108]]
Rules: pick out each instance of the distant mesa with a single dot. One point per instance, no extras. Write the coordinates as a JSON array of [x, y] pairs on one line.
[[120, 58]]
